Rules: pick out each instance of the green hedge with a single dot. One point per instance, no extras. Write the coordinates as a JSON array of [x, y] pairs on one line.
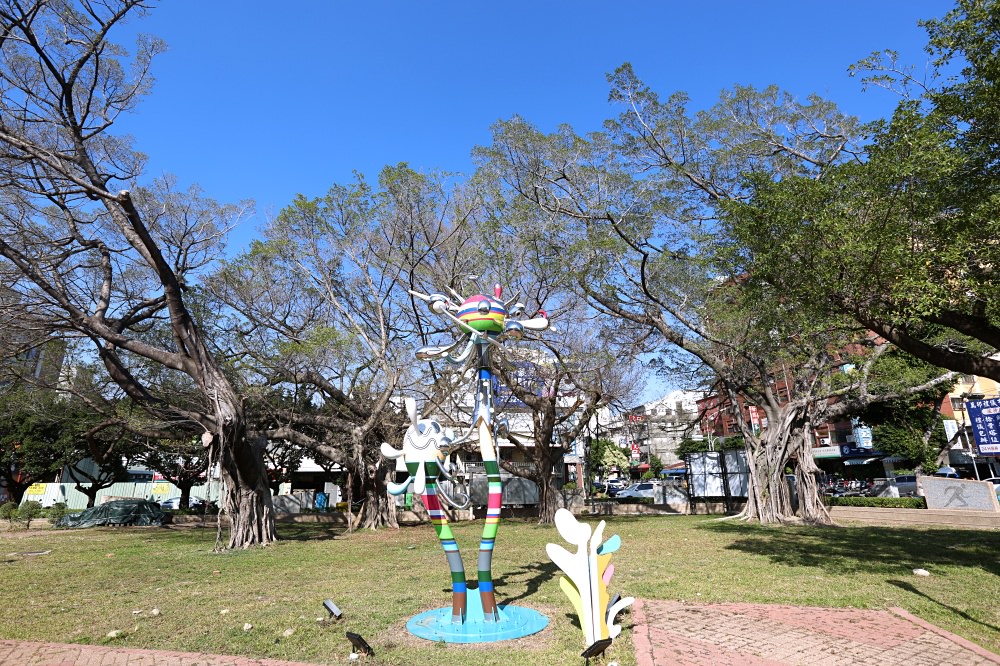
[[634, 500], [884, 502]]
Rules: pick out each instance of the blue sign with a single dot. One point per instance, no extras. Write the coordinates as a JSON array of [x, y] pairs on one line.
[[984, 416], [862, 435], [849, 451]]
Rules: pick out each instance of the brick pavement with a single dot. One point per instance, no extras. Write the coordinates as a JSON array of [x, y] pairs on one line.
[[681, 634]]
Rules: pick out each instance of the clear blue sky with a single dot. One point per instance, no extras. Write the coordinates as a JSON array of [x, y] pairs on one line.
[[264, 100]]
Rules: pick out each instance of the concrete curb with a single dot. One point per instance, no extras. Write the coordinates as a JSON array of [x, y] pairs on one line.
[[640, 639]]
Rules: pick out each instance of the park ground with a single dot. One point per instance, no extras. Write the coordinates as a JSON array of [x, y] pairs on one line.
[[164, 588]]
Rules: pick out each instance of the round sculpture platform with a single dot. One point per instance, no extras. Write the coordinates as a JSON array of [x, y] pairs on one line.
[[515, 622]]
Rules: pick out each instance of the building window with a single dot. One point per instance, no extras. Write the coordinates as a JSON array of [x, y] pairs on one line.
[[957, 404]]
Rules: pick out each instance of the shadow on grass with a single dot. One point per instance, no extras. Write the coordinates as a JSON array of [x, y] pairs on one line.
[[873, 550], [308, 532], [903, 585], [535, 574]]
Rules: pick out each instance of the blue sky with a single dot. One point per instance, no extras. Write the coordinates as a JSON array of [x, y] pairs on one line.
[[264, 100]]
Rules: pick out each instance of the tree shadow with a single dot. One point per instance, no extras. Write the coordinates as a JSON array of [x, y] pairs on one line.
[[878, 550], [309, 532], [535, 573], [903, 585]]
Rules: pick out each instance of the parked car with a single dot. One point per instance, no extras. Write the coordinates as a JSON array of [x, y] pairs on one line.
[[613, 487], [641, 489], [906, 485], [174, 503]]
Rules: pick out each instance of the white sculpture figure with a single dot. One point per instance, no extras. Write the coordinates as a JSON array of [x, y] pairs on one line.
[[426, 446], [588, 572]]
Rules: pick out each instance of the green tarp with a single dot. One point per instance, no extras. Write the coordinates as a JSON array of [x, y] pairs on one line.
[[117, 512]]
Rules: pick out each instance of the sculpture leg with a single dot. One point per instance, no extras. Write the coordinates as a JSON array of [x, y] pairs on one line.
[[440, 522], [488, 540]]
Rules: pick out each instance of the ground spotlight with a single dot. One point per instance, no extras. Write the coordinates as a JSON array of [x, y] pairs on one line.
[[596, 649], [360, 645], [335, 612]]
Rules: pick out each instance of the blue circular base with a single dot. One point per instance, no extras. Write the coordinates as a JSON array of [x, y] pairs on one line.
[[515, 622]]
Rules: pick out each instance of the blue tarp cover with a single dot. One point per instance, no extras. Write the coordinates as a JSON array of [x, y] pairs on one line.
[[117, 512]]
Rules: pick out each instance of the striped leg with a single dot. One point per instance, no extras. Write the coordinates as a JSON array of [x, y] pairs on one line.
[[485, 562], [447, 539]]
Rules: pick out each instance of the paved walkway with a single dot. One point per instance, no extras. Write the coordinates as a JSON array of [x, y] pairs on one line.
[[678, 634], [665, 633]]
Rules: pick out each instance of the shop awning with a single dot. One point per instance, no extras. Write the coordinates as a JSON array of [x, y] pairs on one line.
[[860, 461]]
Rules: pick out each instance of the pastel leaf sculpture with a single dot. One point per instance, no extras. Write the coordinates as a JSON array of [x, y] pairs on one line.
[[587, 574]]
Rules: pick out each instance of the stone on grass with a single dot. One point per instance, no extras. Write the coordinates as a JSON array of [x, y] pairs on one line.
[[114, 633], [224, 611], [287, 632], [247, 627], [155, 612], [921, 572]]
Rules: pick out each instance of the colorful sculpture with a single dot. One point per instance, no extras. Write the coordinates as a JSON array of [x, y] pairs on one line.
[[588, 572], [484, 324]]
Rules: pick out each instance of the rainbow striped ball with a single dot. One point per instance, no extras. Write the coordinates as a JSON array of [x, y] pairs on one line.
[[480, 317]]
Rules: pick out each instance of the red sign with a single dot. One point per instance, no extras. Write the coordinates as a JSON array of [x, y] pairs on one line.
[[635, 450], [754, 419]]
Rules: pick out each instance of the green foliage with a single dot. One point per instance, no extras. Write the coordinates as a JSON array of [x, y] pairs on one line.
[[56, 511], [655, 465], [605, 454], [908, 427], [689, 445], [28, 511], [635, 500], [885, 502], [569, 486], [647, 475], [8, 512], [898, 240]]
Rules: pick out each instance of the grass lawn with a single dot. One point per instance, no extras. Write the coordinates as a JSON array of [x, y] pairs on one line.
[[97, 580]]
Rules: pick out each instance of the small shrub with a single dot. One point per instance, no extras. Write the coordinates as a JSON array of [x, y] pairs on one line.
[[647, 475], [56, 511], [635, 500], [8, 512], [885, 502], [569, 486], [28, 512]]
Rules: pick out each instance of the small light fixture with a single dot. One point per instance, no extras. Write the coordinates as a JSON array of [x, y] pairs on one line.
[[335, 612], [360, 645], [596, 649]]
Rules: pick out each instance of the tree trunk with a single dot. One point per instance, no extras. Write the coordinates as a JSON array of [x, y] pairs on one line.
[[16, 490], [378, 509], [550, 500], [812, 510], [247, 496], [768, 498]]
